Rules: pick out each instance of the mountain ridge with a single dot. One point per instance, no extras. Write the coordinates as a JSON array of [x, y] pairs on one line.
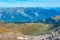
[[20, 14]]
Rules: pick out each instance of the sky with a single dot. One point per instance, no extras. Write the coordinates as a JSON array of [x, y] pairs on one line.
[[29, 3]]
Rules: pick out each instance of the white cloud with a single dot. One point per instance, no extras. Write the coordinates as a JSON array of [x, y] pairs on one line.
[[28, 4]]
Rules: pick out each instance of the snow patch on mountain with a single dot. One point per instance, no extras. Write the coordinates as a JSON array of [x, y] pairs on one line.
[[36, 14], [0, 15]]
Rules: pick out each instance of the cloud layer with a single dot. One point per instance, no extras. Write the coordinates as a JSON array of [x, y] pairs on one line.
[[29, 3]]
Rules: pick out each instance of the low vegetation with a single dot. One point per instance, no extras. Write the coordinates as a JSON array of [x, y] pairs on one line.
[[28, 28]]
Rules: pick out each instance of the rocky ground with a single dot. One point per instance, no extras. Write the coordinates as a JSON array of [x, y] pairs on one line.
[[18, 36]]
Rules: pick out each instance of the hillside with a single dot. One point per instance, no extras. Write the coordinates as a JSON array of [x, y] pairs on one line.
[[44, 27], [27, 28], [12, 30]]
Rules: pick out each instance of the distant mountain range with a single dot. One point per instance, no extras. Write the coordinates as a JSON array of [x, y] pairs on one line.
[[29, 14]]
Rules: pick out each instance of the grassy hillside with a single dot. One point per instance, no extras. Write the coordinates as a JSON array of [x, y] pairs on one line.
[[49, 25], [27, 28]]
